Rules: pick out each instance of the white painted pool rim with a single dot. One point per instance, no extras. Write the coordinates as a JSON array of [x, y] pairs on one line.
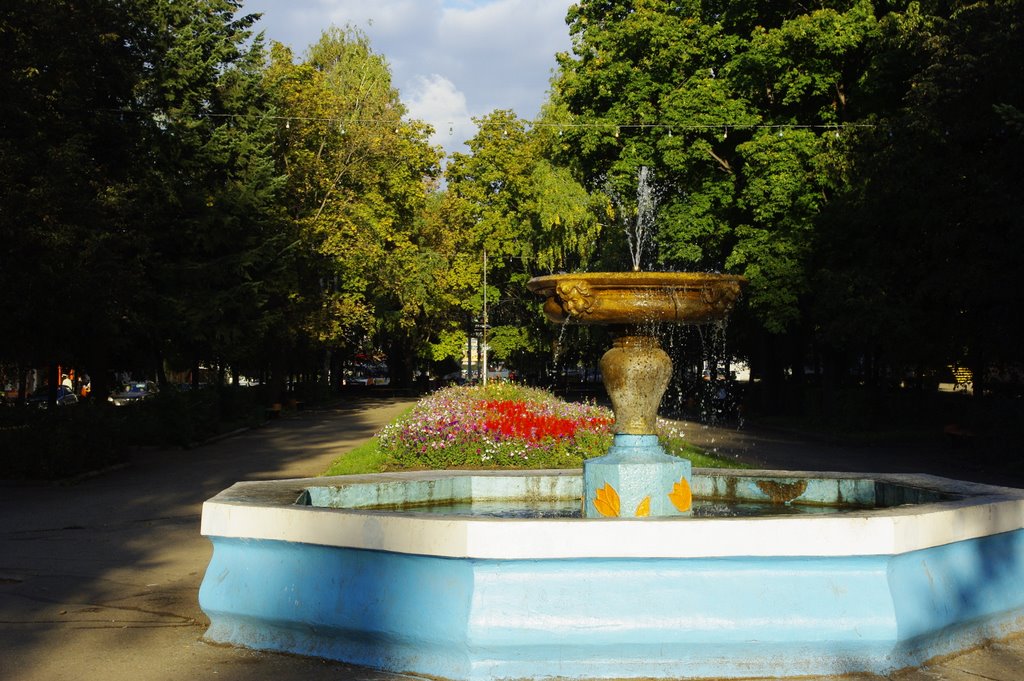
[[266, 510]]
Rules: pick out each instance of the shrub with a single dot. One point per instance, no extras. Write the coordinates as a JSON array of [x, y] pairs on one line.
[[185, 417], [61, 443]]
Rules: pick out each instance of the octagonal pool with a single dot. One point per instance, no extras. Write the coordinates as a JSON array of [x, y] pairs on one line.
[[361, 569]]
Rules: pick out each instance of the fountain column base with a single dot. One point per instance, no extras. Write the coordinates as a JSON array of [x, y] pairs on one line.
[[636, 479]]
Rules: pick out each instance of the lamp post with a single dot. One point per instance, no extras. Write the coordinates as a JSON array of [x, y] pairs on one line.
[[483, 342]]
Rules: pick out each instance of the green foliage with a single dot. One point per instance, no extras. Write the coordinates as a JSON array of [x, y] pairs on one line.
[[448, 344], [172, 194], [528, 214], [189, 201], [857, 161], [504, 341], [358, 181], [60, 142], [921, 254], [141, 189], [697, 94]]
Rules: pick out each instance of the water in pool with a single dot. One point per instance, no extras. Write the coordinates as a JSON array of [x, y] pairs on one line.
[[570, 508]]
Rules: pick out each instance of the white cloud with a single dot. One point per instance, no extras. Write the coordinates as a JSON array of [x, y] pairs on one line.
[[436, 100], [494, 54], [504, 51]]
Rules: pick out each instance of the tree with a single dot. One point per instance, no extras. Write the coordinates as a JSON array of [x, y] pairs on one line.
[[63, 159], [732, 118], [527, 213], [210, 200], [923, 252], [358, 182], [140, 194]]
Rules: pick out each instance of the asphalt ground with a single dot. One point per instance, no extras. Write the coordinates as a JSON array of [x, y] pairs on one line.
[[976, 460], [99, 578]]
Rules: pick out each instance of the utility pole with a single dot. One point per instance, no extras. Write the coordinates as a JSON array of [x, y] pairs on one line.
[[483, 350]]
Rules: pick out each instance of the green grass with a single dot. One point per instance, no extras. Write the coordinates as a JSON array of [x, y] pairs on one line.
[[368, 458], [676, 444], [365, 458]]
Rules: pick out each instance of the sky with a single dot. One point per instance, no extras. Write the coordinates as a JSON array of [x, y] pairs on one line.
[[451, 60]]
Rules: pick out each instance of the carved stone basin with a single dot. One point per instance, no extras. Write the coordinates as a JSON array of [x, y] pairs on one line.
[[637, 297]]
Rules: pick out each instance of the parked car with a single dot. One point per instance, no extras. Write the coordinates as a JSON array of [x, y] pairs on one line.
[[368, 375], [41, 398], [364, 379], [132, 393]]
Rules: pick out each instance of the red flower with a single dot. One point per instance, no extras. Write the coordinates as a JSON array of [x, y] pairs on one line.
[[511, 419]]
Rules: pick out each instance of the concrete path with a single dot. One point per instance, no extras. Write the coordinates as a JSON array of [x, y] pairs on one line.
[[99, 579]]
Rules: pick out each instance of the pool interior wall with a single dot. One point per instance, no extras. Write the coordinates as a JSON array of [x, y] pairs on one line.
[[847, 493], [864, 591]]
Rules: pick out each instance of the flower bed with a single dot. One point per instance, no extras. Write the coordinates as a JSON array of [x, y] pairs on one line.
[[501, 425]]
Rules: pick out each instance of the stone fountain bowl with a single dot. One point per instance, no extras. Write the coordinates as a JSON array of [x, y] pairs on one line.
[[637, 297]]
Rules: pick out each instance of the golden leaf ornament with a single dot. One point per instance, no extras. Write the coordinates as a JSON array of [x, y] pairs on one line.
[[681, 496], [606, 501], [643, 509]]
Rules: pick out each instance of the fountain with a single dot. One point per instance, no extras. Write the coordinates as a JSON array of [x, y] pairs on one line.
[[359, 568], [355, 568], [636, 478]]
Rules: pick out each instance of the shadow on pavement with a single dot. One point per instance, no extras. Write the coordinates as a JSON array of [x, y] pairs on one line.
[[98, 579]]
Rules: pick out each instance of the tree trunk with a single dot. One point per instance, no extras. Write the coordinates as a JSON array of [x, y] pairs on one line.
[[22, 385], [278, 379], [161, 373], [53, 380], [771, 374], [325, 368], [400, 362]]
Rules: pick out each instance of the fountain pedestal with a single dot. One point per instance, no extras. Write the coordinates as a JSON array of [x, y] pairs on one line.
[[636, 478]]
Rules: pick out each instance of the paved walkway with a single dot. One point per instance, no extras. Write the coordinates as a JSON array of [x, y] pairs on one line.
[[99, 580], [779, 449]]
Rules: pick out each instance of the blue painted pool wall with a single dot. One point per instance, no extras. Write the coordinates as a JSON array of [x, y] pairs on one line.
[[963, 582], [376, 609], [489, 619]]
